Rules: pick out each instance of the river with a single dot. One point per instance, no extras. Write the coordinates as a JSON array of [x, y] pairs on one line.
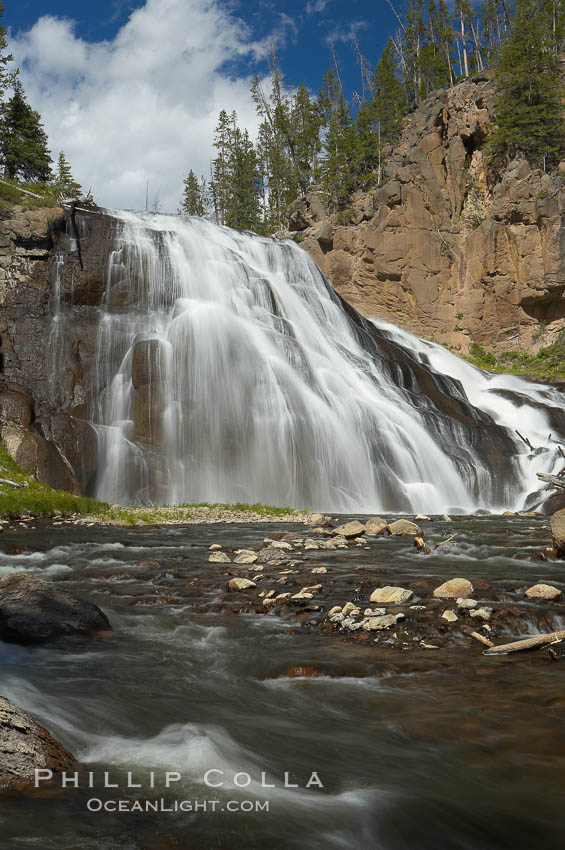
[[415, 750]]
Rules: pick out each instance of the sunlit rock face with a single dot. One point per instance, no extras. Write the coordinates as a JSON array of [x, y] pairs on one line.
[[441, 248], [183, 362]]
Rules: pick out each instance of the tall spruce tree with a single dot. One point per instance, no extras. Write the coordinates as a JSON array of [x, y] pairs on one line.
[[192, 200], [65, 184], [242, 208], [529, 93], [389, 105], [219, 179], [7, 77], [23, 141]]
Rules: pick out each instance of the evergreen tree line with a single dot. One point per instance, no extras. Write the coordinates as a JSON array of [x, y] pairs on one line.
[[24, 154], [341, 145]]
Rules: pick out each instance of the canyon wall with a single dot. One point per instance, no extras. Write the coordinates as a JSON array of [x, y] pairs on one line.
[[45, 355], [438, 250]]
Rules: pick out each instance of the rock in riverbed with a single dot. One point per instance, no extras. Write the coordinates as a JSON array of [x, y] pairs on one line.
[[240, 584], [391, 595], [349, 529], [404, 527], [35, 611], [384, 622], [218, 558], [24, 746], [558, 531], [245, 556], [453, 589], [543, 591], [375, 525]]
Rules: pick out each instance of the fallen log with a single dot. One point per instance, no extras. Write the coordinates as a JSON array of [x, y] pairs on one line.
[[526, 643], [485, 641], [11, 483], [559, 483]]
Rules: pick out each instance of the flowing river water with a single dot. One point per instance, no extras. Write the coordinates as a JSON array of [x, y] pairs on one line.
[[417, 750]]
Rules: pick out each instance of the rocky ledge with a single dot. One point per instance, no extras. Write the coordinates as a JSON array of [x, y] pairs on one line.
[[26, 746]]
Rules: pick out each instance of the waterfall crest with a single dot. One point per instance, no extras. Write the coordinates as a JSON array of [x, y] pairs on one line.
[[228, 369]]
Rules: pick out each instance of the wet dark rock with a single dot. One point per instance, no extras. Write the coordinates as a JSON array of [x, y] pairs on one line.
[[36, 611], [25, 746]]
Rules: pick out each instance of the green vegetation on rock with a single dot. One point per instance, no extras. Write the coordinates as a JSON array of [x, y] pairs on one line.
[[39, 500], [547, 365]]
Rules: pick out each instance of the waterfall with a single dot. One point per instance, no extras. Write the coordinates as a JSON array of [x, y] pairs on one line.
[[228, 370]]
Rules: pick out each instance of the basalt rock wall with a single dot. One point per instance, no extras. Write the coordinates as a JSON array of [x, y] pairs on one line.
[[439, 249]]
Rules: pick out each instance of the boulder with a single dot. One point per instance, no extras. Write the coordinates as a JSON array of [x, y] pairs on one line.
[[350, 608], [543, 591], [246, 556], [481, 613], [466, 603], [274, 557], [453, 589], [391, 595], [383, 622], [375, 525], [36, 611], [350, 529], [557, 523], [450, 616], [218, 558], [235, 584], [404, 527], [25, 746]]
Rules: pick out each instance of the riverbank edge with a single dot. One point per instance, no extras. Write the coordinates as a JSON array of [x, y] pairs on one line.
[[22, 497]]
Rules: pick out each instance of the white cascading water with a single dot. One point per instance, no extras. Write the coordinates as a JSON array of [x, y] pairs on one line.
[[227, 370]]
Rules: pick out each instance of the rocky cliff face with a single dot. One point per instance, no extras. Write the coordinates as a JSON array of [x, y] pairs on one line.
[[42, 419], [439, 251]]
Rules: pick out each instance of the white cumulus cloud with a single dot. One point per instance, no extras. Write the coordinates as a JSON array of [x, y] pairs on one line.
[[144, 105]]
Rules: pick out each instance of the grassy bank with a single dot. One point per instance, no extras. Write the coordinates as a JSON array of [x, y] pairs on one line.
[[547, 366], [39, 500]]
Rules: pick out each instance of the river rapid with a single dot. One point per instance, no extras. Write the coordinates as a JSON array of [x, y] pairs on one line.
[[420, 750]]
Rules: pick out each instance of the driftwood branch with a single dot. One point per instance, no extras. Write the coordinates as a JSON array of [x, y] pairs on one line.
[[445, 542], [559, 483], [11, 483], [527, 643], [525, 439], [485, 641]]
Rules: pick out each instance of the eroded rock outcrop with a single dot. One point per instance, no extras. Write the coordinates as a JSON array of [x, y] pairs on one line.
[[439, 250]]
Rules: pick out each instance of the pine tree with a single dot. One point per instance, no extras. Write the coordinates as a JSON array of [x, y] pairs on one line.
[[7, 78], [389, 104], [340, 142], [219, 179], [242, 208], [192, 200], [65, 184], [529, 92], [23, 141]]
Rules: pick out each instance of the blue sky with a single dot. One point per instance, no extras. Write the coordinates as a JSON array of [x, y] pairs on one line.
[[131, 90]]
